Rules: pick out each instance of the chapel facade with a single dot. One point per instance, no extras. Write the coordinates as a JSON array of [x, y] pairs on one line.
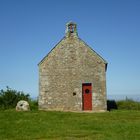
[[72, 76]]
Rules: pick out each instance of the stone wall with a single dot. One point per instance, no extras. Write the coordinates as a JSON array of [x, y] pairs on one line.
[[62, 73]]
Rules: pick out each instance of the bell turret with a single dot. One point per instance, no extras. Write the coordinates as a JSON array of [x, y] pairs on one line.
[[71, 29]]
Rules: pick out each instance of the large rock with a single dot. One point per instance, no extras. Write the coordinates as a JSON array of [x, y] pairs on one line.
[[22, 106]]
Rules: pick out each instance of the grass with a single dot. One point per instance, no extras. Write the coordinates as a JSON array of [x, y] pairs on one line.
[[40, 125]]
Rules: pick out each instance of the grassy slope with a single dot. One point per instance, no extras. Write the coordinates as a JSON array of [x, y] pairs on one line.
[[39, 125]]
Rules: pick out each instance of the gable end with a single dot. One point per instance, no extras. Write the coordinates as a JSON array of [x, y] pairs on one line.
[[50, 51]]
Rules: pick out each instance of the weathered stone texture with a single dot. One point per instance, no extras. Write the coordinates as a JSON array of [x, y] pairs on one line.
[[62, 72]]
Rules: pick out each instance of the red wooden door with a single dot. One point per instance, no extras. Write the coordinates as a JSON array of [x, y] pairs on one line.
[[87, 96]]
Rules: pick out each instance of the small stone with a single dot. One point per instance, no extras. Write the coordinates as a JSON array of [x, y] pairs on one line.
[[22, 106]]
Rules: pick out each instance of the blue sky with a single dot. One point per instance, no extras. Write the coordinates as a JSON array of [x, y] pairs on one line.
[[29, 29]]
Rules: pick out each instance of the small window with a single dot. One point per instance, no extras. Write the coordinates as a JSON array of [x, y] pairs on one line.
[[87, 91], [74, 93]]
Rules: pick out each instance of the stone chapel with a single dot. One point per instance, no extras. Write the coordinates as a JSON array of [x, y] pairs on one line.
[[72, 76]]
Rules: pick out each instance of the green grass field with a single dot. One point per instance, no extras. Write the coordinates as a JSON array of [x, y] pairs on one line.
[[40, 125]]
